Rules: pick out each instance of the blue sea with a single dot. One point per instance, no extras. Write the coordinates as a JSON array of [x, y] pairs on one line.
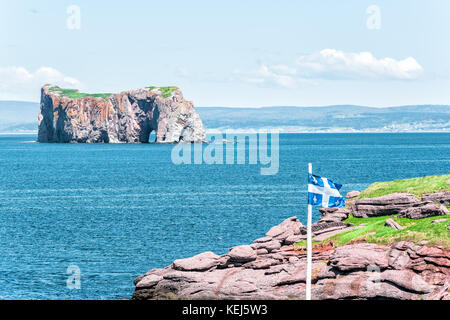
[[117, 211]]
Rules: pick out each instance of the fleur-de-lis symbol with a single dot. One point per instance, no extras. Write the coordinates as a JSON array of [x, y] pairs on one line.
[[315, 199]]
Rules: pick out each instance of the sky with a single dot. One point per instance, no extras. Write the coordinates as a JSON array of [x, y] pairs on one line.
[[232, 53]]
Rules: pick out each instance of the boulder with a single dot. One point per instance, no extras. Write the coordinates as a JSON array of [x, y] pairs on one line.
[[329, 234], [333, 214], [319, 228], [261, 263], [391, 223], [269, 246], [242, 254], [293, 239], [360, 256], [399, 259], [408, 280], [438, 197], [201, 262], [149, 281], [360, 286], [422, 210], [288, 227], [383, 206], [261, 251], [264, 239], [320, 270], [352, 194], [442, 293]]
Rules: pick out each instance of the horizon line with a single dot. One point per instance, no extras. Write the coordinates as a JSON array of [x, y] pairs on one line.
[[292, 106]]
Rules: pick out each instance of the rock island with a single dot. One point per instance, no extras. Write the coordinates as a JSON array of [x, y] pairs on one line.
[[68, 116]]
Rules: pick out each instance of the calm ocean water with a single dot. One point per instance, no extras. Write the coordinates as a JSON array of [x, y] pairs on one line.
[[116, 211]]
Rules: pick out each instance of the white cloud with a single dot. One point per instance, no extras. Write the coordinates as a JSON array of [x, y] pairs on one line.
[[17, 83], [331, 64], [336, 64], [277, 75]]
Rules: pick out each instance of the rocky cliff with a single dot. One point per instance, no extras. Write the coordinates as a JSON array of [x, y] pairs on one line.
[[273, 267], [270, 268], [128, 117]]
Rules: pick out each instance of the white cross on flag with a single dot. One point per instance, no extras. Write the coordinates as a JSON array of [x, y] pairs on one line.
[[324, 192]]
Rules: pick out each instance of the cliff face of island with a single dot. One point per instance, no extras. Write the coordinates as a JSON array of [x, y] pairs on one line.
[[400, 252], [67, 116]]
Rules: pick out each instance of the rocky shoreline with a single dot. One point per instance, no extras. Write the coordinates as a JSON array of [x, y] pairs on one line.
[[273, 268]]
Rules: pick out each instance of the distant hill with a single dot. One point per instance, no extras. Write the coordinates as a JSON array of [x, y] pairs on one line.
[[18, 116], [344, 118]]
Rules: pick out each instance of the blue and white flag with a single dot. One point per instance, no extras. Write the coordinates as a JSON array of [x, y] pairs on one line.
[[324, 192]]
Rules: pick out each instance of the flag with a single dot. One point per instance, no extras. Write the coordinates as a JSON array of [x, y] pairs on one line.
[[324, 192]]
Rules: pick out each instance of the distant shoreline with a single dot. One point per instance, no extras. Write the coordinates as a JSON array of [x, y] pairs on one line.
[[18, 133], [250, 131], [268, 130]]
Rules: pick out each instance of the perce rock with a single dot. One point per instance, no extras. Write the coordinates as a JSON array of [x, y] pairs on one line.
[[67, 116]]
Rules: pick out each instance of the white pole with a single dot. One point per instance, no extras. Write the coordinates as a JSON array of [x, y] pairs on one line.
[[309, 247]]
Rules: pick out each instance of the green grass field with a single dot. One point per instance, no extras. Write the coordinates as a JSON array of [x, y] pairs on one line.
[[166, 91], [417, 186], [374, 230], [74, 93]]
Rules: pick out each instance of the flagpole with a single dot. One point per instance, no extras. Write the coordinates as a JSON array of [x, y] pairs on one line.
[[309, 246]]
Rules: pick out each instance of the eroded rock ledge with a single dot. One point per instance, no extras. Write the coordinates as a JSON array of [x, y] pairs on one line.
[[272, 268], [67, 116]]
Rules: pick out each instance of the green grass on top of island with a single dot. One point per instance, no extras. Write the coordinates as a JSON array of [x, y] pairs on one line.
[[74, 93], [165, 91], [373, 230]]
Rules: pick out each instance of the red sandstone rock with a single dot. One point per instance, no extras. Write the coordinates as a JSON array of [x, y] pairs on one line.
[[333, 214], [407, 279], [391, 223], [353, 194], [242, 253], [127, 117], [383, 206], [403, 271], [326, 235], [200, 262], [269, 246], [439, 197], [288, 227], [422, 210], [360, 256]]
